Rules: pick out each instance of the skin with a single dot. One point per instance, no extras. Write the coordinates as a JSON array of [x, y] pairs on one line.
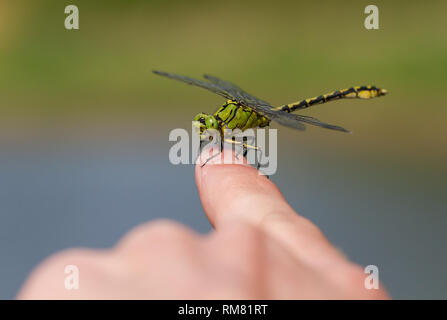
[[260, 249]]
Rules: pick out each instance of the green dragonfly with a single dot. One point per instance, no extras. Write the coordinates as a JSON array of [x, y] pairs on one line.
[[243, 111]]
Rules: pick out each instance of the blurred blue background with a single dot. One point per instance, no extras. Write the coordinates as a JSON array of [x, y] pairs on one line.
[[84, 124]]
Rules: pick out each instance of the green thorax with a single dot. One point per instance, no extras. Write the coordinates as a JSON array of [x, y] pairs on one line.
[[233, 115]]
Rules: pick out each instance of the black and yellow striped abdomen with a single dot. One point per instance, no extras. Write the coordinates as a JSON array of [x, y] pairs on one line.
[[360, 92], [233, 115]]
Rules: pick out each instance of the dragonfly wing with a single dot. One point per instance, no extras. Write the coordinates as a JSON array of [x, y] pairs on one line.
[[225, 89], [286, 120], [220, 82], [198, 83], [314, 122], [240, 95]]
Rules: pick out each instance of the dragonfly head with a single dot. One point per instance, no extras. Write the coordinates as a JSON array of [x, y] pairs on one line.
[[203, 122]]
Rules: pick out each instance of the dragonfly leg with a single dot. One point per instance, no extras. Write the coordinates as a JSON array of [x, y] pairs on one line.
[[235, 143], [244, 146], [213, 156], [248, 141], [258, 165]]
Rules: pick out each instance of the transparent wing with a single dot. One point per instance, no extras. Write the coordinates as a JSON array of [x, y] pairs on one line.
[[225, 89], [306, 119], [240, 95], [286, 119], [198, 83]]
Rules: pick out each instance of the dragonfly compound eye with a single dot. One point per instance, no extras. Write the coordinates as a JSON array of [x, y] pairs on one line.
[[211, 122]]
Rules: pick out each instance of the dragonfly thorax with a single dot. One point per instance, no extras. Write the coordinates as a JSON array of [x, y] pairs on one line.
[[231, 115]]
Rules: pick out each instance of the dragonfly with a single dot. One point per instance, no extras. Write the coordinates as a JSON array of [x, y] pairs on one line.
[[244, 111]]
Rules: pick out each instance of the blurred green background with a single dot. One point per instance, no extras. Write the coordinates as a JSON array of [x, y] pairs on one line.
[[84, 123]]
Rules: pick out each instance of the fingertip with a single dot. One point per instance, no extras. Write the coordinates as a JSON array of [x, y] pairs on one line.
[[212, 157], [235, 190]]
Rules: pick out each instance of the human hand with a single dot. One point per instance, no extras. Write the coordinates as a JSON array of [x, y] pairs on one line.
[[260, 249]]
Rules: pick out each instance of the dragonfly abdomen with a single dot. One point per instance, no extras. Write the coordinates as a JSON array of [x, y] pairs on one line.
[[361, 92]]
